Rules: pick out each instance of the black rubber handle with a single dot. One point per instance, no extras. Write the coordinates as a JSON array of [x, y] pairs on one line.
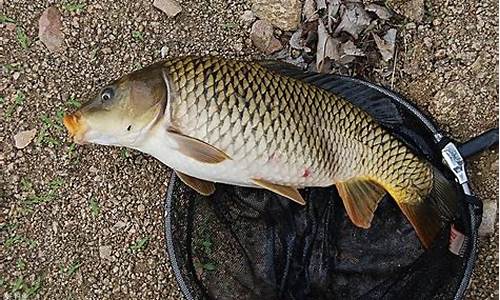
[[479, 143]]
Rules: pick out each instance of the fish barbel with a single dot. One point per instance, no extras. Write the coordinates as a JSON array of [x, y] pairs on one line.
[[265, 124]]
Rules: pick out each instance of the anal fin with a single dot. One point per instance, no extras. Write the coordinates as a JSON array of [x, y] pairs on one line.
[[286, 191], [203, 187], [361, 197]]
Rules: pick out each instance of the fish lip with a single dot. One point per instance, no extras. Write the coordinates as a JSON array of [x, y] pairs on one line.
[[75, 126]]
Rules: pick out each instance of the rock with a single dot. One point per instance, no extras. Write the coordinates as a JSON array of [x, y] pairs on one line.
[[170, 7], [93, 169], [263, 38], [105, 252], [284, 14], [411, 9], [248, 17], [23, 138], [50, 29], [490, 211]]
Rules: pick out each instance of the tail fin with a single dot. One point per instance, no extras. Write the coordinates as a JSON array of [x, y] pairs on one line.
[[425, 215]]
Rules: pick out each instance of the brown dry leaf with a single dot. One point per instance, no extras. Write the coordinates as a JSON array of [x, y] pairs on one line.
[[297, 40], [381, 11], [387, 44], [349, 52], [354, 19], [23, 138], [327, 50]]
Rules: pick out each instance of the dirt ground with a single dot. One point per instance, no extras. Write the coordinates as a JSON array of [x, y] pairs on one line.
[[86, 222]]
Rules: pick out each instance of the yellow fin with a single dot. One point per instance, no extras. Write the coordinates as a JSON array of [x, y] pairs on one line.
[[361, 197], [283, 190], [206, 188], [197, 149]]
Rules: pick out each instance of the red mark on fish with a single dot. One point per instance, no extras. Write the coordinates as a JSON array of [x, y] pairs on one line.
[[306, 173]]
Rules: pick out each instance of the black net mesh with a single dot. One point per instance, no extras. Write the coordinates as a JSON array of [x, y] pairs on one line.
[[243, 243]]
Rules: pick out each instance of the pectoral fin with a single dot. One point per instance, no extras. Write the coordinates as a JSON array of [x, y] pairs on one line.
[[197, 149], [283, 190], [361, 197], [203, 187]]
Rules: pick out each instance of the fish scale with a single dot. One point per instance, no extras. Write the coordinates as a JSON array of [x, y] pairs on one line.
[[306, 127]]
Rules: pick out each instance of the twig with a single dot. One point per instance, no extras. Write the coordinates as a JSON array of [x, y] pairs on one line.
[[394, 67]]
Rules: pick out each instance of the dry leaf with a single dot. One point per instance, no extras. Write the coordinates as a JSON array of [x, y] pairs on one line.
[[382, 12], [23, 138], [349, 52], [354, 19], [320, 4], [386, 45], [309, 11], [327, 49]]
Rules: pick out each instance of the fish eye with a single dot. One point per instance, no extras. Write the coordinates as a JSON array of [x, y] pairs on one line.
[[107, 94]]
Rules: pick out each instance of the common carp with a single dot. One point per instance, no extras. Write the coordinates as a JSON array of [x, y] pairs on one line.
[[266, 124]]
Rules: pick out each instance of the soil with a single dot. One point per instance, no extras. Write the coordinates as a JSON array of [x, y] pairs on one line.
[[86, 222]]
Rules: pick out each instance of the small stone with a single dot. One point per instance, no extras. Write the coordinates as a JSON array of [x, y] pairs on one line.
[[141, 208], [248, 17], [107, 50], [93, 169], [411, 26], [170, 7], [105, 252], [49, 29], [263, 38], [164, 51], [23, 138], [284, 14], [10, 26], [16, 75], [440, 54]]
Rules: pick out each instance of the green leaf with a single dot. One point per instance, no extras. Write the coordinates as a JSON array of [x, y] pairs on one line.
[[209, 266], [20, 264], [5, 19], [140, 245], [22, 38], [73, 268], [94, 208], [137, 35], [18, 284], [74, 7], [34, 288], [73, 102]]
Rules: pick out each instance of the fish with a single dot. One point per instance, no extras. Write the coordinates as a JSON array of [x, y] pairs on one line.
[[267, 124]]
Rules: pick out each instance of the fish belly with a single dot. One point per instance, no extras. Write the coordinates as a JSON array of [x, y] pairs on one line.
[[240, 171]]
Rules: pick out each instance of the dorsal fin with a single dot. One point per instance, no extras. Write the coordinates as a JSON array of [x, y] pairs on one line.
[[366, 96]]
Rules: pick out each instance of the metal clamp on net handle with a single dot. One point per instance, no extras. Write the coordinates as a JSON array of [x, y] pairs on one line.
[[453, 156]]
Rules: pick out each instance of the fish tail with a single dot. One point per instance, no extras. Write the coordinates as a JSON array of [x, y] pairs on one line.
[[426, 213]]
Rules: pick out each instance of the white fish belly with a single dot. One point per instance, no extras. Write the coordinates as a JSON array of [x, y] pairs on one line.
[[232, 171]]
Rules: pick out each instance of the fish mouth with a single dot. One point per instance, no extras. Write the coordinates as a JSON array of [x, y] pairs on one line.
[[75, 127]]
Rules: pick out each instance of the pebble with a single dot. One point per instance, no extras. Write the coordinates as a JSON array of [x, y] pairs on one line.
[[23, 138], [283, 14], [263, 38], [105, 252], [170, 7], [50, 29]]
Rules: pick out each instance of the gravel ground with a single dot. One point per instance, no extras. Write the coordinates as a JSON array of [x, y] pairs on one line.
[[87, 222]]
